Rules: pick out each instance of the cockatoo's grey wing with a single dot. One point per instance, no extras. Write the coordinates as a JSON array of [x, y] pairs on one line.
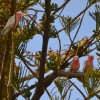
[[92, 64], [70, 66], [9, 24], [10, 21], [84, 66], [6, 30]]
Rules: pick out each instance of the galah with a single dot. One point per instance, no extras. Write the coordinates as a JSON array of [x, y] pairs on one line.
[[75, 64], [88, 63], [12, 22]]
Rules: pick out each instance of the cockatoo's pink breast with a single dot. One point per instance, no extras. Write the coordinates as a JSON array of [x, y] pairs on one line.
[[74, 66], [88, 64], [18, 16], [12, 22]]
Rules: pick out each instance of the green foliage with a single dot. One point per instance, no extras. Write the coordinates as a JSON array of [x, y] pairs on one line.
[[52, 62], [24, 33], [91, 2], [19, 73], [18, 82], [23, 4], [53, 31], [96, 18], [36, 58], [91, 81], [56, 98], [3, 14], [44, 18], [98, 46], [29, 27], [63, 86], [26, 93], [53, 6], [67, 21], [5, 6], [80, 46]]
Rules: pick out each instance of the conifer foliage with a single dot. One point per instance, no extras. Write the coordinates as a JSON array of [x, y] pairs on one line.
[[19, 65]]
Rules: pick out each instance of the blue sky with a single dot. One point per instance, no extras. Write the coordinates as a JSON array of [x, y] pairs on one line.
[[73, 8]]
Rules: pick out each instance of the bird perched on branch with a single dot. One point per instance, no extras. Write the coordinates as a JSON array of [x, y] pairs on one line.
[[75, 64], [88, 63], [12, 22]]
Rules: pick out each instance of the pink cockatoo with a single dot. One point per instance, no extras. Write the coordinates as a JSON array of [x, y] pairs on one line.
[[12, 22], [88, 63], [75, 64]]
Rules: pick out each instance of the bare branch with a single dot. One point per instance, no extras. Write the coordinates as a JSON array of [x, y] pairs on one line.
[[70, 94], [70, 74], [92, 95], [77, 89], [73, 19], [35, 10], [62, 6], [40, 87], [59, 48], [48, 79], [24, 61], [11, 69]]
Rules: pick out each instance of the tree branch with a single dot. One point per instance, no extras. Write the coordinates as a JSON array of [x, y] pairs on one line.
[[9, 88], [77, 89], [63, 5], [92, 95], [73, 19], [49, 79], [24, 61], [7, 54], [70, 74], [40, 88]]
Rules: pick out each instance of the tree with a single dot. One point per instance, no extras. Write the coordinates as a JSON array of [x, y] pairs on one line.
[[47, 65]]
